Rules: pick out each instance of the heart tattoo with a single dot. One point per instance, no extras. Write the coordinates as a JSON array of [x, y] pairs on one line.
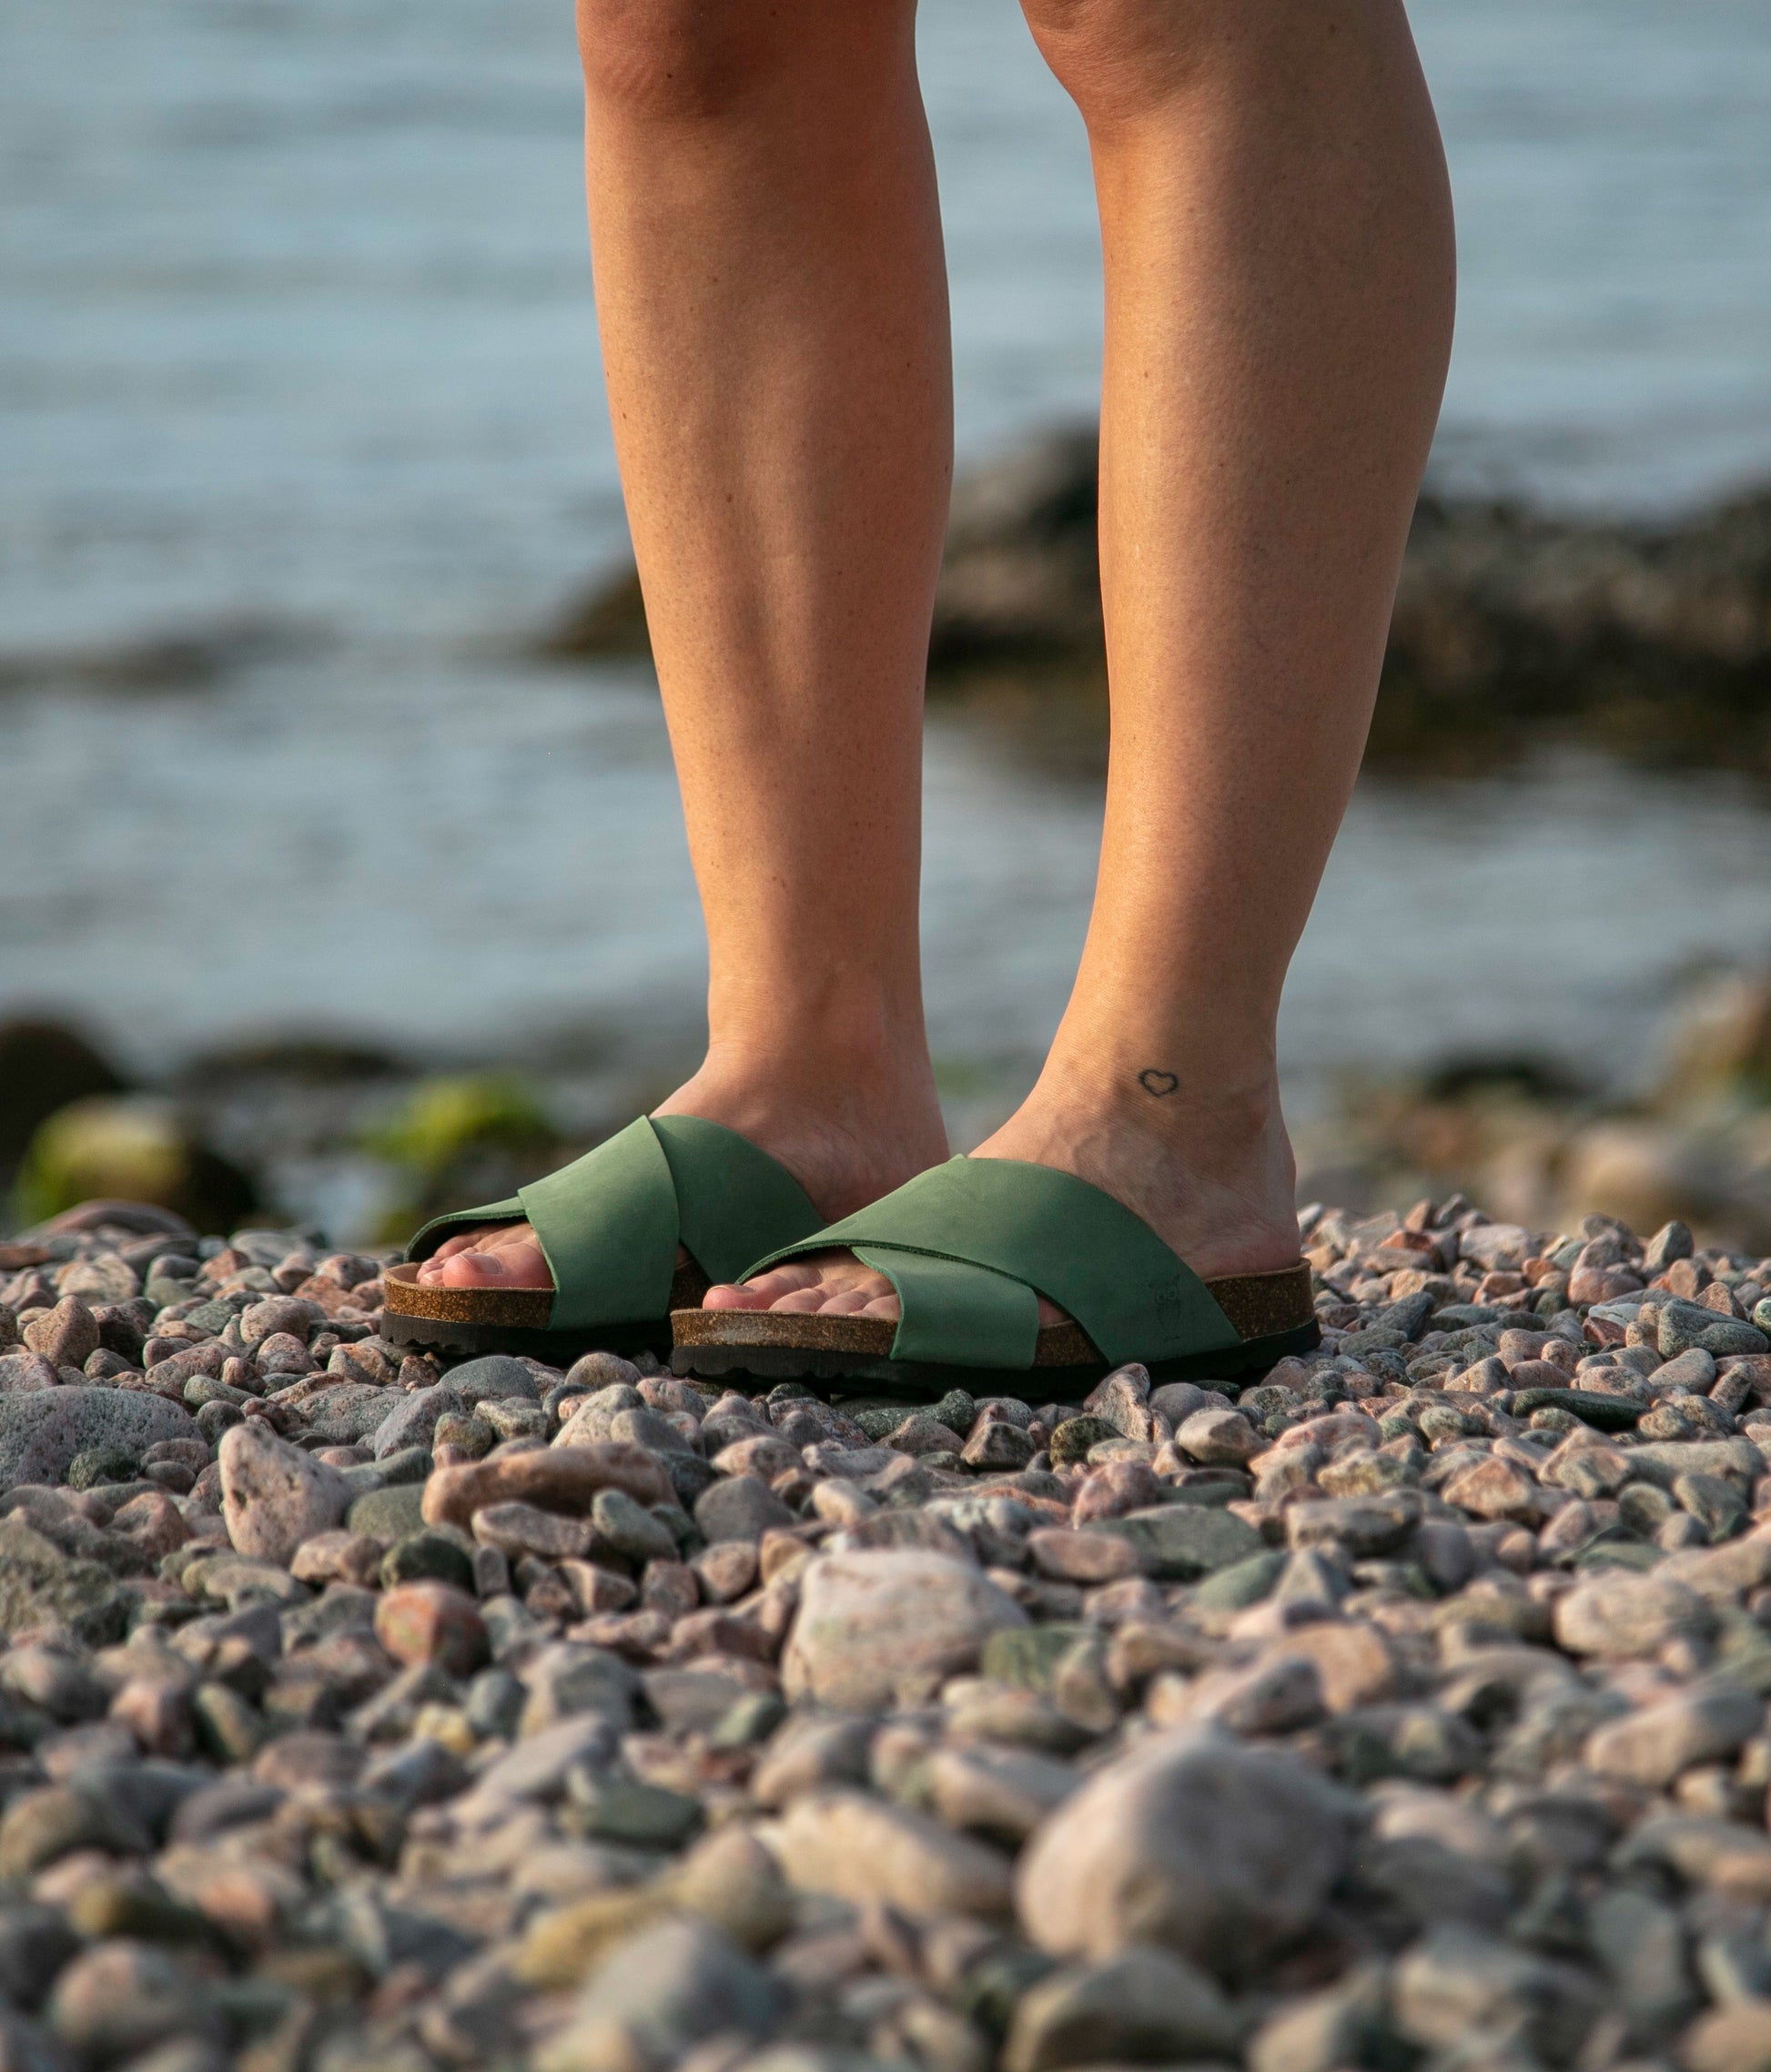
[[1161, 1083]]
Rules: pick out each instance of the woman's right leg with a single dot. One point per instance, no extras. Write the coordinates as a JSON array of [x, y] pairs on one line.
[[772, 302]]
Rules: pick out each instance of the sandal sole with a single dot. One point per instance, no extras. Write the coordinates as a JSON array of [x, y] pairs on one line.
[[474, 1320], [820, 1367]]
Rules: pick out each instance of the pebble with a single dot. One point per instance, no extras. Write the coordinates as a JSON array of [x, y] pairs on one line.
[[431, 1622], [1406, 1705], [273, 1494], [886, 1623], [862, 1849]]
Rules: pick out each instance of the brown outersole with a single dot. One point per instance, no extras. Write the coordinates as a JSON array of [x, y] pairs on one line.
[[514, 1319], [1272, 1312]]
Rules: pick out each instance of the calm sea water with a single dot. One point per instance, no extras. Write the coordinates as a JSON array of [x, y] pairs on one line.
[[296, 329]]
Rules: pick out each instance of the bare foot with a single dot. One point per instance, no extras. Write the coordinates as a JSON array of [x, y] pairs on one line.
[[844, 1148], [1214, 1181]]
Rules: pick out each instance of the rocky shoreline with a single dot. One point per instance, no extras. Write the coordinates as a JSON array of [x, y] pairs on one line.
[[1650, 641], [1404, 1709]]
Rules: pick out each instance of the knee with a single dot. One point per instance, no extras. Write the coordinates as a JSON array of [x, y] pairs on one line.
[[1119, 57], [681, 58]]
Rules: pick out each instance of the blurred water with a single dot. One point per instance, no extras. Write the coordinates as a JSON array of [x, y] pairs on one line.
[[296, 328]]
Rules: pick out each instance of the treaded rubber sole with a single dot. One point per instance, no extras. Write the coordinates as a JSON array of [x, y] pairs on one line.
[[918, 1382], [553, 1349]]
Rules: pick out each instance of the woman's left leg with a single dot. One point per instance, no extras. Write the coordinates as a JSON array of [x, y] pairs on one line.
[[1276, 235]]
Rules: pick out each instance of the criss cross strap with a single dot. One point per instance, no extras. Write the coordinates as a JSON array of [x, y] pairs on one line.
[[971, 1244], [608, 1224]]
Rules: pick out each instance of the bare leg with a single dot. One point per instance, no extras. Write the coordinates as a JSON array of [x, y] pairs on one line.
[[772, 309], [1277, 235]]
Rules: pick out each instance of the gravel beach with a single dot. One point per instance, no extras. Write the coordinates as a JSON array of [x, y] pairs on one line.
[[1406, 1709]]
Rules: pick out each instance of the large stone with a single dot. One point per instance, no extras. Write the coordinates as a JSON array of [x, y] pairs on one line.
[[658, 1994], [41, 1430], [883, 1623], [569, 1678], [276, 1313], [120, 1998], [1662, 1463], [390, 1514], [1219, 1438], [273, 1495], [1188, 1840], [411, 1421], [431, 1622], [67, 1336], [865, 1851], [1733, 2039], [1456, 1983], [1641, 1944], [42, 1826], [557, 1478], [1617, 1615], [739, 1507], [1005, 1791], [1702, 1725], [494, 1378], [1354, 1662], [1147, 2007], [42, 1586], [1180, 1542]]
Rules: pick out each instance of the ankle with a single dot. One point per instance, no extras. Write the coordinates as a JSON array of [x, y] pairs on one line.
[[1202, 1112], [1212, 1175], [849, 1126]]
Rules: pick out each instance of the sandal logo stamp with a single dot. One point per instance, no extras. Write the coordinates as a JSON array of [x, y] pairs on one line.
[[1161, 1083]]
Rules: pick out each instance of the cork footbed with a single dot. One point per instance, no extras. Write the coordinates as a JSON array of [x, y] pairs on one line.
[[1272, 1313], [492, 1320]]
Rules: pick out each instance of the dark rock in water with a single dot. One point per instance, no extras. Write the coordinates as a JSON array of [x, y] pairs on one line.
[[43, 1067], [1656, 638], [133, 1148]]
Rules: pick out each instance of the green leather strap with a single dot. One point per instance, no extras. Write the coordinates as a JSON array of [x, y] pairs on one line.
[[956, 1314], [609, 1223], [729, 1193], [1049, 1231]]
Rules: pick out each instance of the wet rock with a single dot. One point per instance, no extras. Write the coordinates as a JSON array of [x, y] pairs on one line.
[[884, 1622]]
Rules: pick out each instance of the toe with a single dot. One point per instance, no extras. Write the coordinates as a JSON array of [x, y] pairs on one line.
[[505, 1266], [830, 1284]]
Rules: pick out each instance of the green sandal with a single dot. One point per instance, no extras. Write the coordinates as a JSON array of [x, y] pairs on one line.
[[610, 1224], [969, 1246]]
